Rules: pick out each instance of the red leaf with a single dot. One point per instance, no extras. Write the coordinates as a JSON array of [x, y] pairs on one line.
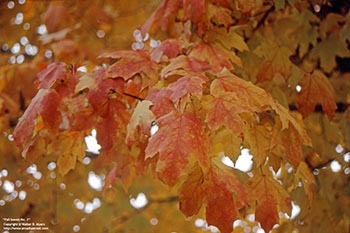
[[185, 86], [169, 48], [52, 73], [266, 213], [316, 89], [130, 63], [195, 10], [42, 110], [162, 17], [222, 111], [180, 141], [249, 97], [161, 100]]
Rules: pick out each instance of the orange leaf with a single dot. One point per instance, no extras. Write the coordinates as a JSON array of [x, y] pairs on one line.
[[185, 86], [192, 193], [292, 143], [260, 141], [162, 17], [130, 63], [218, 58], [304, 174], [249, 95], [186, 66], [271, 198], [161, 100], [316, 89], [70, 146], [222, 111], [180, 141], [219, 189]]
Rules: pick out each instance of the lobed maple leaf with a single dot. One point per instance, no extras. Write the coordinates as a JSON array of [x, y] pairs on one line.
[[180, 141], [304, 175], [185, 86], [70, 147], [42, 112], [54, 72], [250, 96], [218, 189], [129, 63], [260, 140], [169, 48], [270, 199], [107, 100], [316, 89]]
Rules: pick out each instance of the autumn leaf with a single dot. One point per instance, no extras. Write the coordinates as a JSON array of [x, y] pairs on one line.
[[276, 61], [130, 63], [166, 50], [304, 175], [326, 52], [229, 40], [185, 66], [161, 100], [248, 97], [43, 110], [180, 141], [259, 139], [218, 189], [70, 147], [316, 89], [270, 197], [54, 72], [222, 112], [292, 143], [186, 86], [142, 117], [217, 57], [162, 16]]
